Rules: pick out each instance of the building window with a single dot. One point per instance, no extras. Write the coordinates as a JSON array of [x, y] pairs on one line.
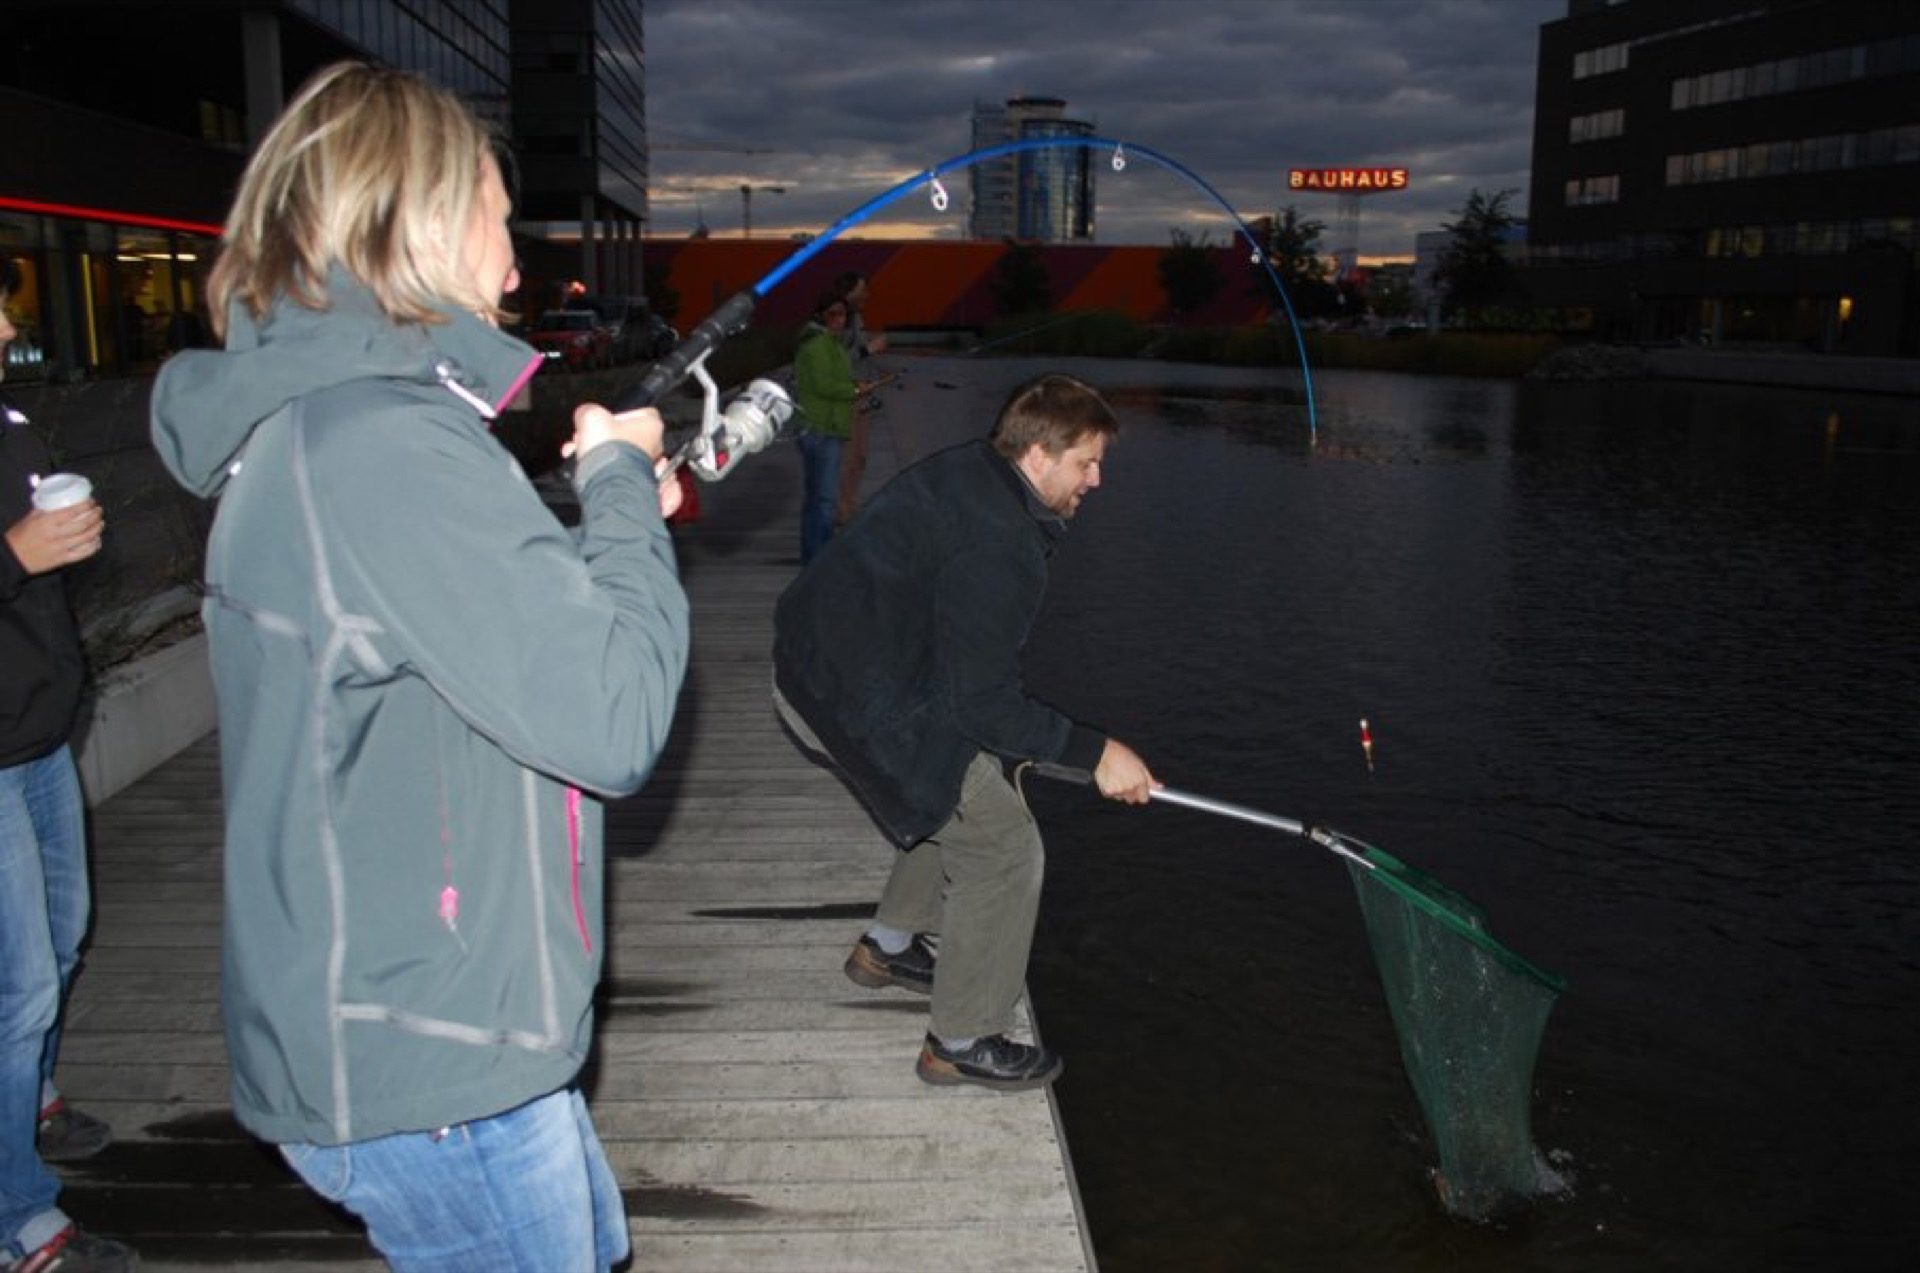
[[1582, 191], [1601, 61], [1735, 241], [1801, 155], [1895, 56], [1600, 124]]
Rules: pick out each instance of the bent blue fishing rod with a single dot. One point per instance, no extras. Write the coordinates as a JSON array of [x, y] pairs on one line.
[[757, 417]]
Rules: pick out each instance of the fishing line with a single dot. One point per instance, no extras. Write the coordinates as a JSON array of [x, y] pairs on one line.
[[733, 315], [1121, 152]]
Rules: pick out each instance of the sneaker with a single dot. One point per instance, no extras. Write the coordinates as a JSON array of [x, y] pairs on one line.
[[72, 1251], [874, 968], [994, 1061], [66, 1135]]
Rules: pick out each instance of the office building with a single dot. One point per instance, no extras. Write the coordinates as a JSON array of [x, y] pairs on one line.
[[1730, 170], [1038, 195], [580, 130], [129, 125]]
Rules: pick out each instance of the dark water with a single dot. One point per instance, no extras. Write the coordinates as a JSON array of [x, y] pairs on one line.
[[1640, 664]]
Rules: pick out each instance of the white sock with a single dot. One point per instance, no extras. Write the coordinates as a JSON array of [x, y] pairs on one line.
[[891, 940]]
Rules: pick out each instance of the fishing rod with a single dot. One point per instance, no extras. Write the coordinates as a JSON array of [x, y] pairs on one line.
[[756, 419]]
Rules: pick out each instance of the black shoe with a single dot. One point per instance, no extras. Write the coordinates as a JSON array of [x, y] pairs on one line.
[[995, 1061], [67, 1135], [874, 968], [72, 1251]]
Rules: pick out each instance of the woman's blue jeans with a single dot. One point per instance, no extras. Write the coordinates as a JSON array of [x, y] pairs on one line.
[[821, 456], [44, 903], [527, 1191]]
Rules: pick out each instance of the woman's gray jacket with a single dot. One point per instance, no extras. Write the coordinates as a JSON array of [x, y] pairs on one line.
[[419, 673]]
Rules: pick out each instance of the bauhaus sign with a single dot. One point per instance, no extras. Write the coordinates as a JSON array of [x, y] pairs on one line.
[[1355, 180]]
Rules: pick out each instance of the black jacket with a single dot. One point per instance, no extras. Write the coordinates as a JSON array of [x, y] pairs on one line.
[[900, 645], [41, 668]]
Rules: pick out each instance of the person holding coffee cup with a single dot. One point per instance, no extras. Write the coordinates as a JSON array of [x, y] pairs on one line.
[[51, 524]]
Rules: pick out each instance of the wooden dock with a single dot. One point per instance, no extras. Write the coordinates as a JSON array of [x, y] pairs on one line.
[[761, 1111]]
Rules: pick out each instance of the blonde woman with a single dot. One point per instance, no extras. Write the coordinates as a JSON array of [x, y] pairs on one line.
[[425, 685]]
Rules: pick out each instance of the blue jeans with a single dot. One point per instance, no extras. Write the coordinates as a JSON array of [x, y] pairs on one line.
[[527, 1191], [821, 456], [44, 903]]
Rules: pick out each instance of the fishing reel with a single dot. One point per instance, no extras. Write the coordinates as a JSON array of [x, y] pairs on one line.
[[750, 423], [753, 421]]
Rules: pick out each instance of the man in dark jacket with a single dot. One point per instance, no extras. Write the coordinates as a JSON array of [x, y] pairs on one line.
[[897, 655], [44, 900]]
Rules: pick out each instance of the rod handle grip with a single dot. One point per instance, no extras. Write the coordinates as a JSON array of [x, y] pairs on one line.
[[707, 336]]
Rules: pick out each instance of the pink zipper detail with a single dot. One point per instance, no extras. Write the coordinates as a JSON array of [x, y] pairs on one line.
[[519, 383], [573, 843]]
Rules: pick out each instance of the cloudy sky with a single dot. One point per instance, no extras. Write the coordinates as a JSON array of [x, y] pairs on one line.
[[839, 100]]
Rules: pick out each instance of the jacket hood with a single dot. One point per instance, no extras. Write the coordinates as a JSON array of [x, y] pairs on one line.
[[207, 403]]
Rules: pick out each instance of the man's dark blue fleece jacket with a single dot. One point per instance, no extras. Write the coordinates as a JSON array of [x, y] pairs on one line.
[[900, 645]]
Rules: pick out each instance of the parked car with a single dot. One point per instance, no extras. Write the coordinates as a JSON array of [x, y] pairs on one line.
[[639, 334], [575, 338], [643, 336]]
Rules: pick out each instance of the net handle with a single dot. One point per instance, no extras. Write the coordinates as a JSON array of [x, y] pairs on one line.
[[1326, 839]]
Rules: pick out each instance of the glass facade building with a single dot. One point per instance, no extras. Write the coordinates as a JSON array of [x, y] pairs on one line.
[[113, 185], [459, 44], [580, 124], [1043, 195]]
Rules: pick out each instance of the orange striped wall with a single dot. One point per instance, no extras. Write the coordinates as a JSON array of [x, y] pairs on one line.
[[935, 284]]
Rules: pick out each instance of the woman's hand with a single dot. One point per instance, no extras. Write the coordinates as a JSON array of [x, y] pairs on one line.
[[672, 493], [594, 424]]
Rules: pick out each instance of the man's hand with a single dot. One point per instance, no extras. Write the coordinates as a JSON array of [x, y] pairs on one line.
[[1121, 774], [48, 541], [594, 424], [876, 343]]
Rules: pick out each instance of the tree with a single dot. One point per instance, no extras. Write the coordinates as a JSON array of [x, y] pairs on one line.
[[1391, 296], [1189, 273], [1020, 284], [1474, 274], [1293, 249]]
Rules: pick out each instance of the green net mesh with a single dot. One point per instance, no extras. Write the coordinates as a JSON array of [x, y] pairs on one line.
[[1470, 1014]]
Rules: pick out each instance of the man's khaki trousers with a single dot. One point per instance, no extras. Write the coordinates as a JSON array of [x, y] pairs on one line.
[[975, 882]]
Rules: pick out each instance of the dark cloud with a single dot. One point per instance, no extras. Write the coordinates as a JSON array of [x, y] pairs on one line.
[[848, 97]]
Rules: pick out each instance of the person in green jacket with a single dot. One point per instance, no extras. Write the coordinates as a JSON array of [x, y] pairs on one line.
[[426, 686], [825, 391]]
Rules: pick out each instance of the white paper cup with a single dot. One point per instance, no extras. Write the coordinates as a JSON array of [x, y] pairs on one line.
[[61, 490]]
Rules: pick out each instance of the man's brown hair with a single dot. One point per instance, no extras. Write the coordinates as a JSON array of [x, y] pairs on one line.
[[1055, 411]]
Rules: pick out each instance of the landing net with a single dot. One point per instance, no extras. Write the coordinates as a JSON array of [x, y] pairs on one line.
[[1470, 1014]]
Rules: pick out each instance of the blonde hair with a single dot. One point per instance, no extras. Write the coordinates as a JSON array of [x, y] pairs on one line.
[[374, 169]]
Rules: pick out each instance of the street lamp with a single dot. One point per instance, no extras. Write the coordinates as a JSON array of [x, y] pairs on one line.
[[746, 206]]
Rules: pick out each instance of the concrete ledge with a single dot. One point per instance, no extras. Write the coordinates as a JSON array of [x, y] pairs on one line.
[[141, 714]]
